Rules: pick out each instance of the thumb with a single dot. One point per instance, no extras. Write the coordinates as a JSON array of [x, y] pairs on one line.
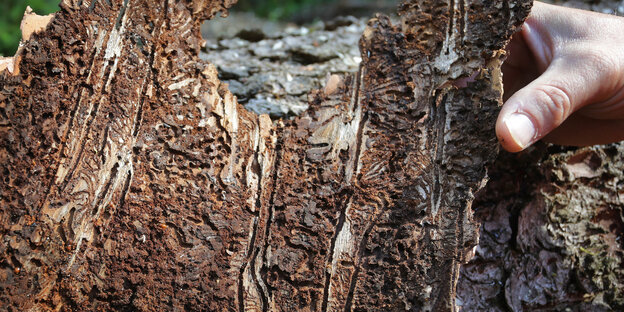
[[541, 106]]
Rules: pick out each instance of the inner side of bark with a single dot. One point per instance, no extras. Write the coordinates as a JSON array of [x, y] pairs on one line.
[[134, 179]]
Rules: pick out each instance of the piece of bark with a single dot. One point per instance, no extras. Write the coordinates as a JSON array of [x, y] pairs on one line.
[[552, 233], [132, 180], [31, 24]]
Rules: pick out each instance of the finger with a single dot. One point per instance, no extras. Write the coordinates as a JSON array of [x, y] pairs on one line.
[[579, 130], [578, 70], [516, 78], [518, 52], [520, 66], [544, 104]]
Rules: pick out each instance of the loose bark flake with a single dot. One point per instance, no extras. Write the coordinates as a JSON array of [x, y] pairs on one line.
[[132, 179]]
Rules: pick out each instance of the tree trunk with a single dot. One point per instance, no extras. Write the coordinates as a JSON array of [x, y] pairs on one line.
[[133, 180]]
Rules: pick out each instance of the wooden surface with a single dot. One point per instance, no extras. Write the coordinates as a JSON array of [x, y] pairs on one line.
[[132, 179]]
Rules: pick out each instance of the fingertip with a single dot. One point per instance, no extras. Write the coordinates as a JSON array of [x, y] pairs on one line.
[[533, 112], [505, 140], [515, 131]]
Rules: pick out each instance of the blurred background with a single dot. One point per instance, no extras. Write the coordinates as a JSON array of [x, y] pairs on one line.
[[282, 11], [10, 17], [294, 11]]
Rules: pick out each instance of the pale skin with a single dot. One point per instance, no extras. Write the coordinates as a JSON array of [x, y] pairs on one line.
[[565, 80]]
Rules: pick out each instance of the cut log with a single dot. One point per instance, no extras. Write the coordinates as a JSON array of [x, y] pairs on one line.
[[133, 180]]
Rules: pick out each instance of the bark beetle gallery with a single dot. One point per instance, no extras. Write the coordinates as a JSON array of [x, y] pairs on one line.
[[132, 179]]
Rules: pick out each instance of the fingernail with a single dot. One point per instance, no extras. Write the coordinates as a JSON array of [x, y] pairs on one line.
[[521, 129]]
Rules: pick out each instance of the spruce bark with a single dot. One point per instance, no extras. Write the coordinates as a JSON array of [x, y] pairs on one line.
[[133, 180]]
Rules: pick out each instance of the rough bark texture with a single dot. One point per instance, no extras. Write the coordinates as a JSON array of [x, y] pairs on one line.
[[567, 255], [552, 227], [133, 180], [552, 232]]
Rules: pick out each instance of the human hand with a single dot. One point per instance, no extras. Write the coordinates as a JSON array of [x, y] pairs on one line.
[[566, 73]]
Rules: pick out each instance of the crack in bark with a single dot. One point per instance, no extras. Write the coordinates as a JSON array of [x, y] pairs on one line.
[[355, 107], [361, 248], [111, 180], [451, 22], [75, 162], [252, 243], [103, 144], [462, 20], [241, 298], [332, 246], [261, 283], [122, 12]]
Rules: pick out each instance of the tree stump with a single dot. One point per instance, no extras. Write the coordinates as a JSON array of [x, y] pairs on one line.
[[133, 180]]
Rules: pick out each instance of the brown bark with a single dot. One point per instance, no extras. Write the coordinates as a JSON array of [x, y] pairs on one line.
[[132, 180], [549, 239], [552, 232]]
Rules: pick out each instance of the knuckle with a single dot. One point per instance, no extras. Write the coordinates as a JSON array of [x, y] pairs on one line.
[[556, 100]]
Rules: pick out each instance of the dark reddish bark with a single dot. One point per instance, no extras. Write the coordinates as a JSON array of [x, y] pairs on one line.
[[133, 180]]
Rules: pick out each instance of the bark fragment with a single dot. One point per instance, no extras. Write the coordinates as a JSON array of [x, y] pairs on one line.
[[132, 179]]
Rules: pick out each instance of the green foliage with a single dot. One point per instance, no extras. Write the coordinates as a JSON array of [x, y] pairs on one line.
[[11, 16], [278, 9]]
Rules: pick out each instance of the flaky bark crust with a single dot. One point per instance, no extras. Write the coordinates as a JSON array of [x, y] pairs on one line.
[[133, 180]]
